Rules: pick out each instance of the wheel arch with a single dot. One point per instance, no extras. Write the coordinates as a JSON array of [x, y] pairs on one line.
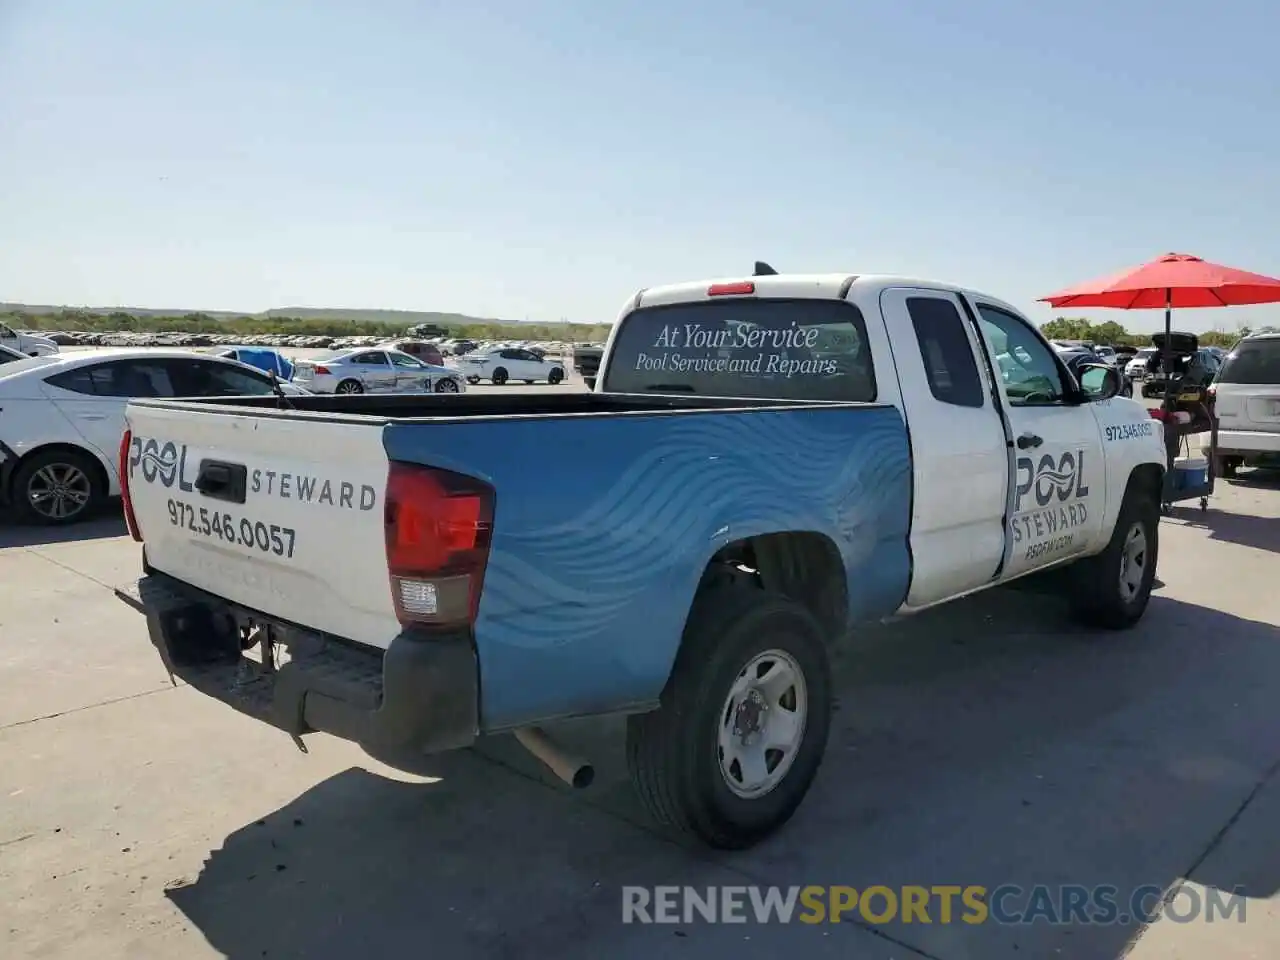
[[105, 473], [1146, 479], [803, 565]]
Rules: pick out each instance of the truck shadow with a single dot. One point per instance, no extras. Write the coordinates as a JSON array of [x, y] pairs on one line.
[[990, 743], [109, 522]]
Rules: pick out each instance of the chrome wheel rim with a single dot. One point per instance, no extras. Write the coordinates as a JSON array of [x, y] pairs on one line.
[[59, 491], [1133, 562], [348, 388], [762, 724], [446, 386]]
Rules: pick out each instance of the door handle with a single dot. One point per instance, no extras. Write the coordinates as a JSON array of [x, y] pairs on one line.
[[1029, 440], [93, 416]]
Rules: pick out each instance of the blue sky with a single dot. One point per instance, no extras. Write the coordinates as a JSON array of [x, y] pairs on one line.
[[547, 158]]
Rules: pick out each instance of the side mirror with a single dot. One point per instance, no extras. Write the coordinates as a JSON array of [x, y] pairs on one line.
[[1100, 382]]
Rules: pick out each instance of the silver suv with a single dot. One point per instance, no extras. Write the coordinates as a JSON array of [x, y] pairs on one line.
[[1247, 402]]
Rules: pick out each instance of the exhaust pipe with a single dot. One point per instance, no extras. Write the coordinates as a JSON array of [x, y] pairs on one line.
[[575, 771]]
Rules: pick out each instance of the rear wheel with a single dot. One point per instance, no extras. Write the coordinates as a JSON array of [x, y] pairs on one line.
[[499, 376], [740, 734], [57, 487], [473, 380], [1112, 589], [349, 386], [447, 385]]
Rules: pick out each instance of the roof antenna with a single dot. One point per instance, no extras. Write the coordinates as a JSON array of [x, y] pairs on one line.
[[764, 270]]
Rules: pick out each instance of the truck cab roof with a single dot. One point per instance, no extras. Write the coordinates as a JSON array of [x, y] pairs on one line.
[[835, 286]]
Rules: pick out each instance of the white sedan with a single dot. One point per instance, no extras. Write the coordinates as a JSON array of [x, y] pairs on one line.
[[374, 370], [511, 363], [64, 417]]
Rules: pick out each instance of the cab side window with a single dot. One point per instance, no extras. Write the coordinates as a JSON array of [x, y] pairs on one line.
[[1026, 364], [946, 352]]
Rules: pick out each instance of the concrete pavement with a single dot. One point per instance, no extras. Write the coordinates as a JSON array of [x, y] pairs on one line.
[[989, 742]]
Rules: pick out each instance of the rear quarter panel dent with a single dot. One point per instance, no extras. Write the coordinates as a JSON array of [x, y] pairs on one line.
[[603, 527]]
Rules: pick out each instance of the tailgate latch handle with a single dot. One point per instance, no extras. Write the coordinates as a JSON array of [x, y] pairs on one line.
[[222, 481]]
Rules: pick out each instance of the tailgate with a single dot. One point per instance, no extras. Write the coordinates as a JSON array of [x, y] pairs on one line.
[[1262, 407], [280, 515]]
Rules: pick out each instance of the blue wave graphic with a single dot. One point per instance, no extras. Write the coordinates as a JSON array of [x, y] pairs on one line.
[[603, 527]]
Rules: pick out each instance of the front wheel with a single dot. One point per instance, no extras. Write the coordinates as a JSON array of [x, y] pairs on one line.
[[473, 380], [743, 722], [499, 376], [1112, 589], [555, 376], [446, 386]]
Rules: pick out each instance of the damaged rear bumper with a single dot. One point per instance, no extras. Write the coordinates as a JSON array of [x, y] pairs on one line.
[[419, 696]]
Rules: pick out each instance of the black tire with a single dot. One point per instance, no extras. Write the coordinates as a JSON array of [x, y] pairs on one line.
[[446, 385], [1226, 467], [79, 476], [473, 380], [499, 376], [531, 382], [1099, 597], [349, 387], [673, 752], [555, 376]]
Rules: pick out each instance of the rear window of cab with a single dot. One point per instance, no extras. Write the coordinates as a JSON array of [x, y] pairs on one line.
[[786, 349]]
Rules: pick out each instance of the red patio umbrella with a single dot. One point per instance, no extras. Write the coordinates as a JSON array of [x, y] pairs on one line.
[[1174, 280]]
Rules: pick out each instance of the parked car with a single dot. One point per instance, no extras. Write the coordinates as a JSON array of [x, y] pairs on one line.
[[64, 414], [1136, 368], [366, 370], [426, 352], [26, 343], [512, 363], [264, 358], [689, 553], [1246, 395], [9, 355], [586, 361]]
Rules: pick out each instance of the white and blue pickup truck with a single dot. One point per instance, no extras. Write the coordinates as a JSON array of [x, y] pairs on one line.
[[766, 462]]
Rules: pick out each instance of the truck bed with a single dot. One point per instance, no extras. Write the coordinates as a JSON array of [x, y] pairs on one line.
[[388, 407]]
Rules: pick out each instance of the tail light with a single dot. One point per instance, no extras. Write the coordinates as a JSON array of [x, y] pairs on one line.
[[438, 527], [1212, 390], [130, 521], [322, 371]]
